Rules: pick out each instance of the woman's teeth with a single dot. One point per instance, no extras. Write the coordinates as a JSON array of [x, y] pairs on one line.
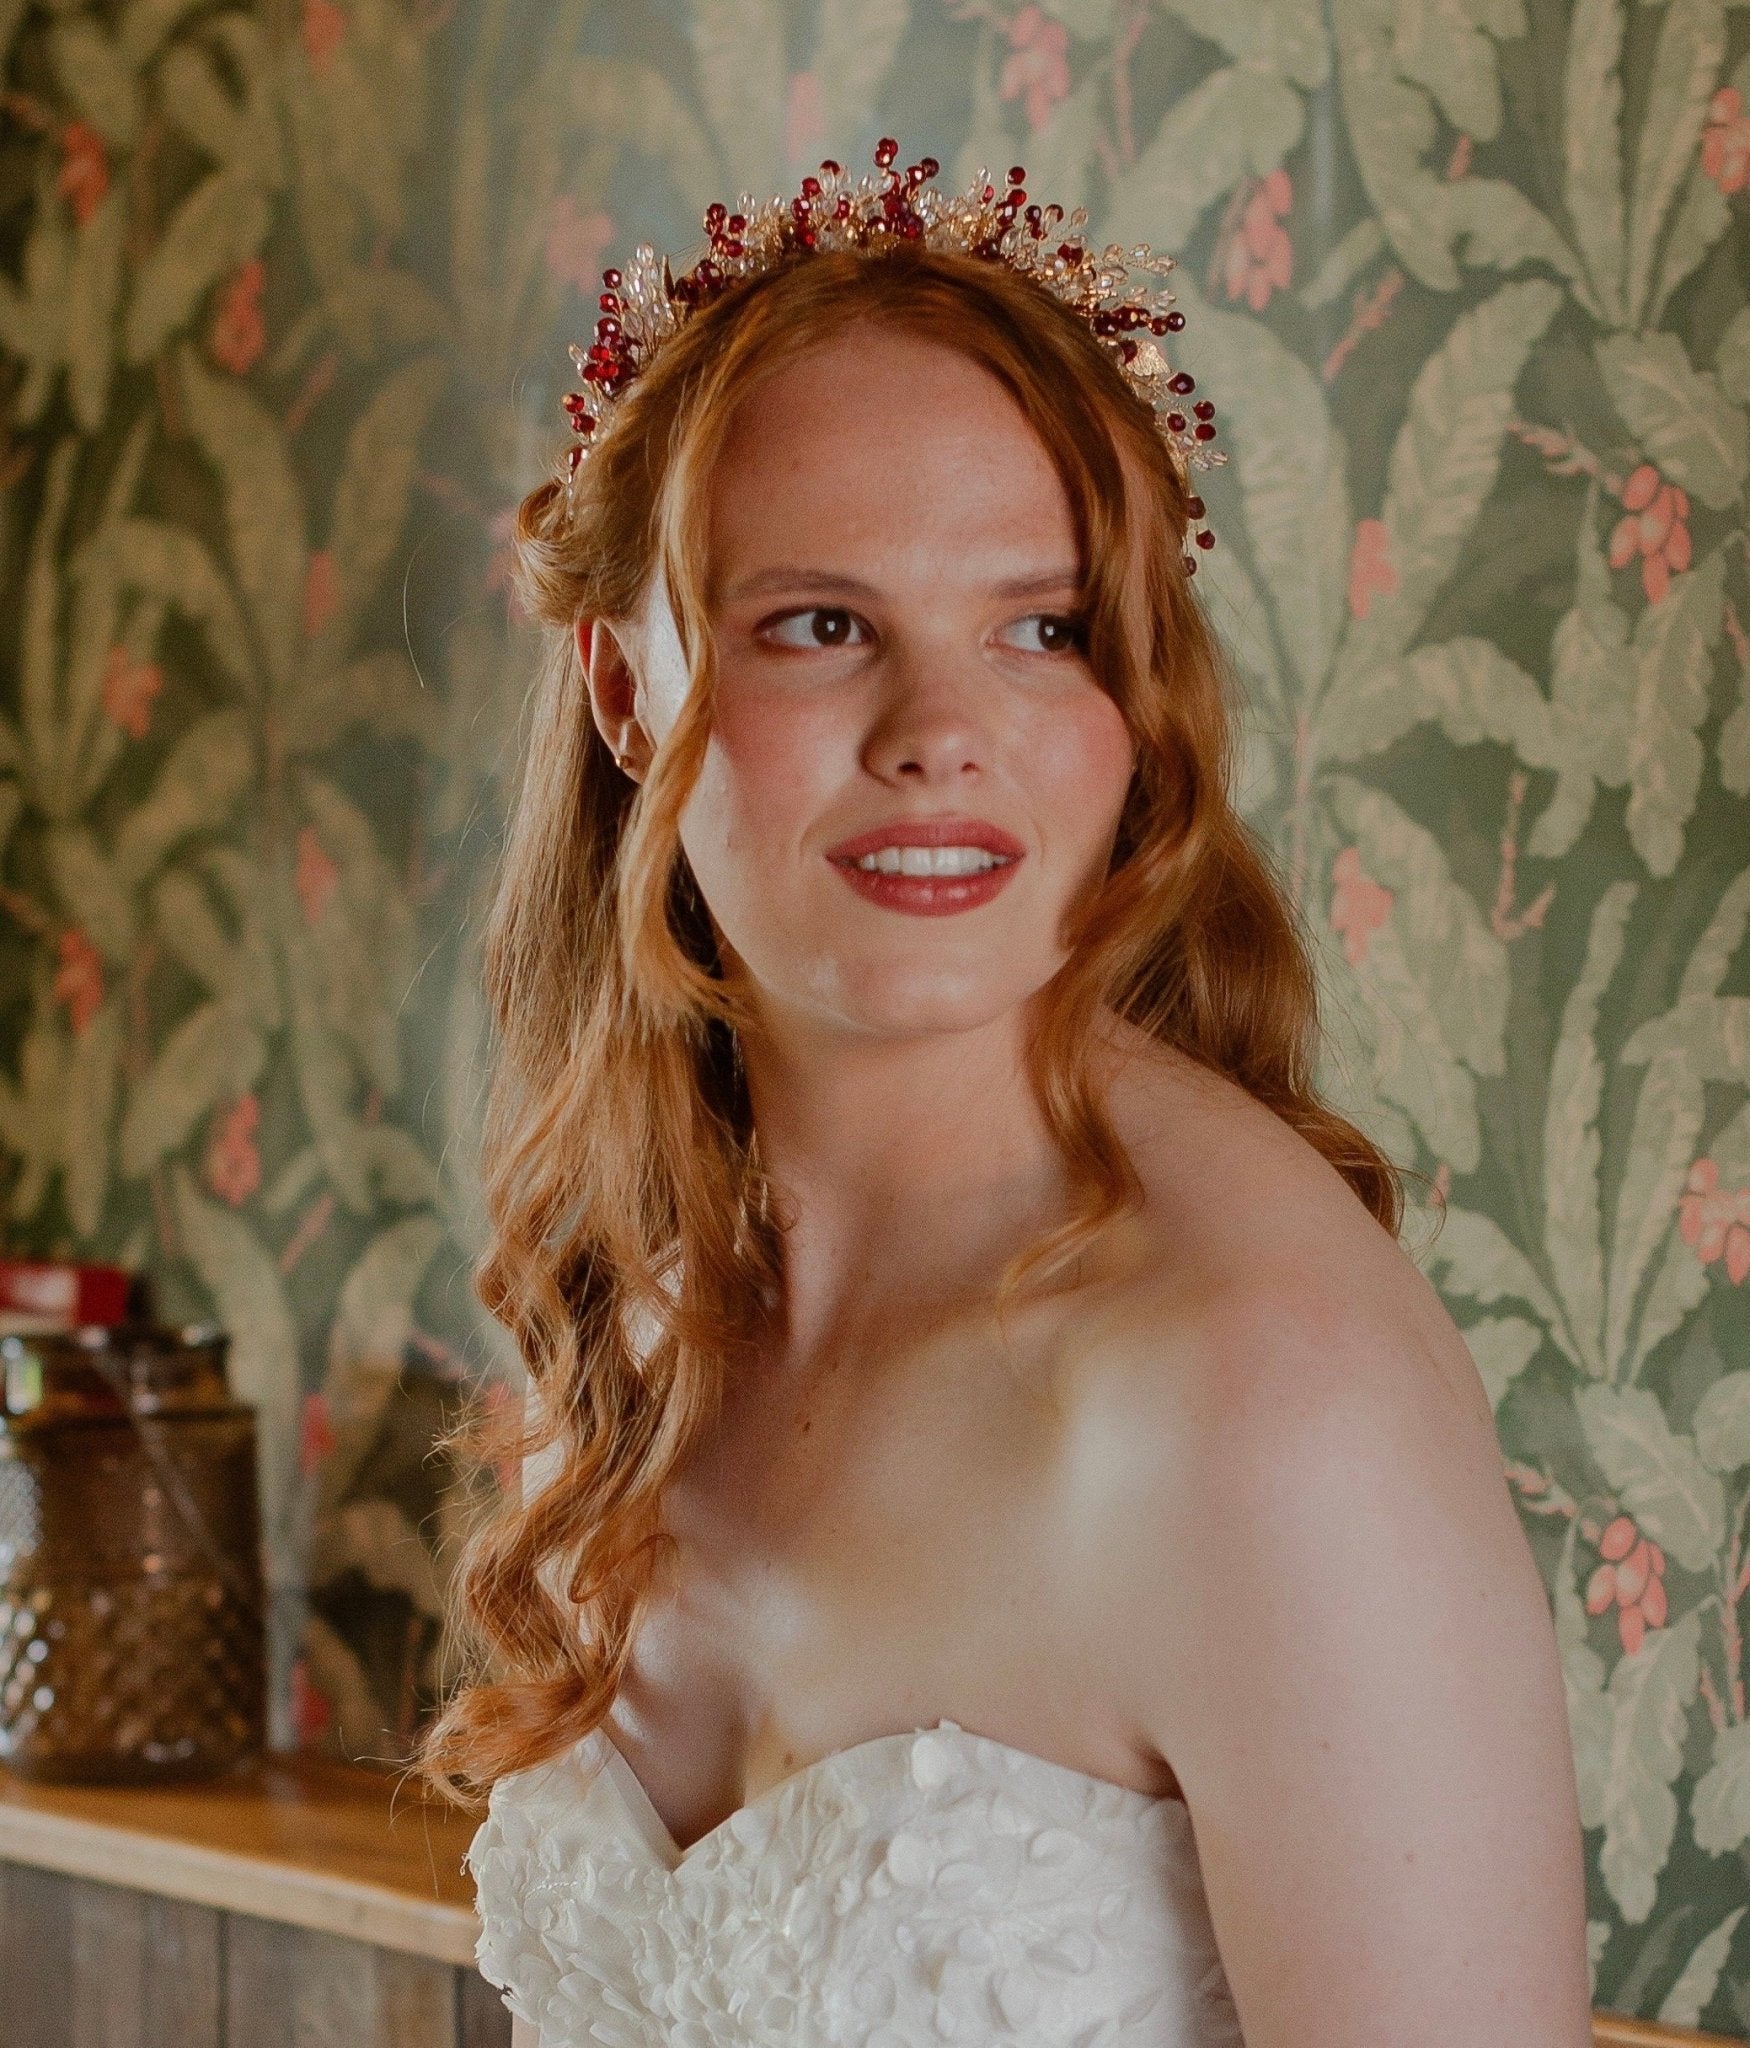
[[931, 860]]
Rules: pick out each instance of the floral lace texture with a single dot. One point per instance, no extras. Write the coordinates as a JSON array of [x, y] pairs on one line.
[[928, 1887]]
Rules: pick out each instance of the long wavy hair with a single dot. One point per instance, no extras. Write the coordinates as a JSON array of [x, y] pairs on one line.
[[633, 1254]]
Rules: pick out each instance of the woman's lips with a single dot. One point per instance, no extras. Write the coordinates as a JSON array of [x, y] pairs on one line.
[[928, 895]]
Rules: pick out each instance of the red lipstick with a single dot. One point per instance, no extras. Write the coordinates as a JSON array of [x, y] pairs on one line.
[[928, 895]]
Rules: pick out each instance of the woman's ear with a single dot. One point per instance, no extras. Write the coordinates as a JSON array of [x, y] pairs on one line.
[[613, 694]]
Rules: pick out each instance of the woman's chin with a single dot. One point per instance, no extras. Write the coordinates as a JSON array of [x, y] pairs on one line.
[[889, 1001]]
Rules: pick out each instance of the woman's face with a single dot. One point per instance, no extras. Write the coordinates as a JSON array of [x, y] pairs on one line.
[[901, 684]]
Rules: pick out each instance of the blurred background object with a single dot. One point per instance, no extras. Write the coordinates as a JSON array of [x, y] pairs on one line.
[[132, 1647]]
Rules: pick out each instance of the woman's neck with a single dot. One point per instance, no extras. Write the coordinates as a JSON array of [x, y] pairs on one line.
[[907, 1170]]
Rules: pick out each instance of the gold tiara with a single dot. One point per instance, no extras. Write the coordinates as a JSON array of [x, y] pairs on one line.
[[644, 305]]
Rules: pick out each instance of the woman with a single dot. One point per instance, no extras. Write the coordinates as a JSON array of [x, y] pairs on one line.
[[1019, 1553]]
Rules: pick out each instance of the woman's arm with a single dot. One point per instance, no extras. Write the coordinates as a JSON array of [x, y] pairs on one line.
[[522, 2035], [1352, 1668]]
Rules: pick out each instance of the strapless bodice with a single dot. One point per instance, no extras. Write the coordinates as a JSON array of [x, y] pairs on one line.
[[933, 1886]]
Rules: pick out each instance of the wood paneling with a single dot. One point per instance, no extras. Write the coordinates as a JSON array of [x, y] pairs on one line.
[[36, 1948], [138, 1970], [90, 1965]]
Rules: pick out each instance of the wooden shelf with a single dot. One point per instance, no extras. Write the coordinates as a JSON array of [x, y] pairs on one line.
[[317, 1845]]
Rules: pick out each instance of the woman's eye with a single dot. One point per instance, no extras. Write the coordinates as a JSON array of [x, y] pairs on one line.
[[822, 625], [1046, 633]]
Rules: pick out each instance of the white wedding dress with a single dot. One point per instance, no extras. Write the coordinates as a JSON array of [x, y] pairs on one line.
[[920, 1888]]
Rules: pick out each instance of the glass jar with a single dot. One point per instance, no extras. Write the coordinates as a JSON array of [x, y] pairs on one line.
[[131, 1595]]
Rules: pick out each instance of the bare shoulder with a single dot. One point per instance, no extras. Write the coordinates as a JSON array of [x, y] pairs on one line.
[[1269, 1386], [1315, 1600], [1255, 1285]]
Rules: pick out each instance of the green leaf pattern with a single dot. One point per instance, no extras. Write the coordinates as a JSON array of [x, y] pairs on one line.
[[282, 329]]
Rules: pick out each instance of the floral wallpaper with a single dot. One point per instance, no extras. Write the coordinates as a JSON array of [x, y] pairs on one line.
[[285, 290]]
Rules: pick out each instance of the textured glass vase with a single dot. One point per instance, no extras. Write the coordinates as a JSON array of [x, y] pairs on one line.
[[131, 1597]]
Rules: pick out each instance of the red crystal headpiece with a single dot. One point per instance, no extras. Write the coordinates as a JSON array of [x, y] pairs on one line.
[[642, 307]]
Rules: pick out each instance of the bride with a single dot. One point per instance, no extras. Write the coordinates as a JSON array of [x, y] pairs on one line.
[[1013, 1550]]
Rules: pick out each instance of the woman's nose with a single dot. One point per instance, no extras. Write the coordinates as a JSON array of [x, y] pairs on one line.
[[931, 726]]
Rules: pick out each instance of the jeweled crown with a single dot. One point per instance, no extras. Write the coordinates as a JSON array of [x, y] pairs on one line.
[[1113, 289]]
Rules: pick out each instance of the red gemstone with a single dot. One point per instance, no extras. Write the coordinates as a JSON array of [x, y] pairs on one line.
[[1204, 432], [990, 192], [1183, 382], [1157, 327], [1203, 409], [1175, 322], [843, 209], [1018, 176], [1128, 351], [885, 151], [1176, 422], [611, 278], [737, 224], [811, 188], [715, 215], [1069, 252], [1195, 507], [1206, 539], [829, 167], [1190, 565], [929, 167], [609, 302]]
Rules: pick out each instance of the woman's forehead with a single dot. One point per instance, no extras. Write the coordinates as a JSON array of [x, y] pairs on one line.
[[877, 441]]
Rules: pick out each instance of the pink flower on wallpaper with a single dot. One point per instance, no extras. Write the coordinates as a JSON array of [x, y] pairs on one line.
[[239, 333], [1037, 66], [1359, 904], [312, 1709], [321, 592], [130, 688], [324, 29], [233, 1157], [1371, 573], [1716, 1220], [84, 177], [1260, 256], [574, 245], [78, 979], [804, 118], [315, 1433], [1725, 142], [315, 877], [1655, 526], [1632, 1580]]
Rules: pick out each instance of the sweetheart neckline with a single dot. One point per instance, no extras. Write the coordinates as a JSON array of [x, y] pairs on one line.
[[631, 1786]]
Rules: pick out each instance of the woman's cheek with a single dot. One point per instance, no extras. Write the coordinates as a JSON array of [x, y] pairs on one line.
[[1087, 754], [767, 776]]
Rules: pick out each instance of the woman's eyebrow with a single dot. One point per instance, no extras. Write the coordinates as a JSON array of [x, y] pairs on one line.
[[790, 578], [765, 582]]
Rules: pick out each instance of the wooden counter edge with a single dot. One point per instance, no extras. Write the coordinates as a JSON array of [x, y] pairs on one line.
[[1616, 2030], [233, 1881]]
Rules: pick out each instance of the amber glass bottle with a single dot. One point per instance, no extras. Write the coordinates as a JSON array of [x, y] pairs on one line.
[[131, 1597]]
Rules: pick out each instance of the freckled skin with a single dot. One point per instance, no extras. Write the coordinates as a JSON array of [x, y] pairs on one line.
[[1226, 1521]]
